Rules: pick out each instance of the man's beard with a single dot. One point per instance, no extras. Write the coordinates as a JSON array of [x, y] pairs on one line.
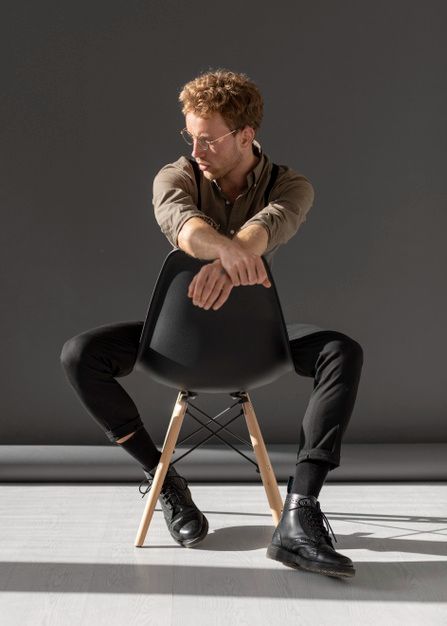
[[223, 171]]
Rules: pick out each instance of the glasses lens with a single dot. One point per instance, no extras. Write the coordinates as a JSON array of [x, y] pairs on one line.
[[190, 140], [187, 137]]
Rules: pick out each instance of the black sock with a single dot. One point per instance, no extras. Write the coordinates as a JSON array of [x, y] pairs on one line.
[[309, 477], [143, 449]]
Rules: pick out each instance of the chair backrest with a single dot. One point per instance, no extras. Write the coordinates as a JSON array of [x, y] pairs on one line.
[[242, 345]]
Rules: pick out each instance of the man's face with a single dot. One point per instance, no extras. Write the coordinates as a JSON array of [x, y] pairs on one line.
[[222, 156]]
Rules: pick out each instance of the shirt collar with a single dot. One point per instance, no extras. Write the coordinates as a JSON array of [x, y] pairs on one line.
[[254, 174]]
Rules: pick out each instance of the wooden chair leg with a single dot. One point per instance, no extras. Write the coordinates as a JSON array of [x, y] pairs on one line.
[[168, 449], [265, 468]]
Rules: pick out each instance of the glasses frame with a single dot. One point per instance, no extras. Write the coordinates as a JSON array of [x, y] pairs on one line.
[[205, 143]]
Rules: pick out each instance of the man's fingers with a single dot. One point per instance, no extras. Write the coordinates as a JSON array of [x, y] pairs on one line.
[[200, 281], [198, 295], [262, 273], [249, 273], [243, 273], [216, 292], [192, 286], [197, 292], [253, 273], [203, 285], [223, 297], [206, 280], [234, 275], [208, 291]]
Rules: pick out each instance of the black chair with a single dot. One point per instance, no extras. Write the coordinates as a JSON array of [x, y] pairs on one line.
[[241, 346]]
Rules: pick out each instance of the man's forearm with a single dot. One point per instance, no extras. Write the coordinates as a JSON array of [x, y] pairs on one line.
[[253, 238], [200, 240], [239, 257]]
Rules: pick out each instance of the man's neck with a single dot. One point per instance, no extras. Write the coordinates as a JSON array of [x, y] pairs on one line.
[[233, 188]]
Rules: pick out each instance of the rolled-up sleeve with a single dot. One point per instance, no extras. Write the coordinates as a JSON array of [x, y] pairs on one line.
[[174, 201], [290, 200]]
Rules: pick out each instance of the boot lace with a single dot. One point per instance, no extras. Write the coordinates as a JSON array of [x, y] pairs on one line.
[[315, 518], [169, 492]]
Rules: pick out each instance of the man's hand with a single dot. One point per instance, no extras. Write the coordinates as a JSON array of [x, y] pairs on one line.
[[243, 267], [211, 286]]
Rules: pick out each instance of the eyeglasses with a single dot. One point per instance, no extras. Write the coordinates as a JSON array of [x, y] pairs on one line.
[[203, 143]]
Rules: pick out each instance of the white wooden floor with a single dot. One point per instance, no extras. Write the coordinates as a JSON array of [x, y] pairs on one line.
[[67, 558]]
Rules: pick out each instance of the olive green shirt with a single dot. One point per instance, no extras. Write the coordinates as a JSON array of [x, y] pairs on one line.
[[175, 201]]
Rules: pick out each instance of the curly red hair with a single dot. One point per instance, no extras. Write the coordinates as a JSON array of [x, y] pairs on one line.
[[231, 94]]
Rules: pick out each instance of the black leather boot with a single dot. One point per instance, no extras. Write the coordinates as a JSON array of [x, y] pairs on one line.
[[301, 540], [187, 525]]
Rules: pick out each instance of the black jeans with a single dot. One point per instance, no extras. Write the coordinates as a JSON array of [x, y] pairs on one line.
[[94, 359]]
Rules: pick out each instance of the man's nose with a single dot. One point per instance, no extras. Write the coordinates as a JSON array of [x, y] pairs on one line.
[[197, 149]]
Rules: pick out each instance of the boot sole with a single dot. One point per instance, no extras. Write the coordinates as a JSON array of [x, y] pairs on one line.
[[187, 543], [294, 560]]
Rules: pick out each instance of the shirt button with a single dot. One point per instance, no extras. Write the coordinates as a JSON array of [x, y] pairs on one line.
[[227, 202], [231, 232]]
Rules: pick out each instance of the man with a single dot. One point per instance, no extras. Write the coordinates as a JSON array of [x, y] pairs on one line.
[[224, 220]]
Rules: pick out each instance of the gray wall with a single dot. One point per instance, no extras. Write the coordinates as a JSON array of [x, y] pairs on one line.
[[355, 99]]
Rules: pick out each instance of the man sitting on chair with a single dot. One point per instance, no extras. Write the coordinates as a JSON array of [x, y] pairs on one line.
[[225, 221]]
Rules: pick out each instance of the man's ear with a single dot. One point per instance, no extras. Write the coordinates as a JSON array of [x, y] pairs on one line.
[[248, 134]]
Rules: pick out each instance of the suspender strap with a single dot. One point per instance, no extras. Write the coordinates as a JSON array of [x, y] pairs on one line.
[[196, 169], [272, 180], [273, 175]]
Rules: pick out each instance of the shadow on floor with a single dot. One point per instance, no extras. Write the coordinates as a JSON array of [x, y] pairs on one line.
[[392, 581]]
